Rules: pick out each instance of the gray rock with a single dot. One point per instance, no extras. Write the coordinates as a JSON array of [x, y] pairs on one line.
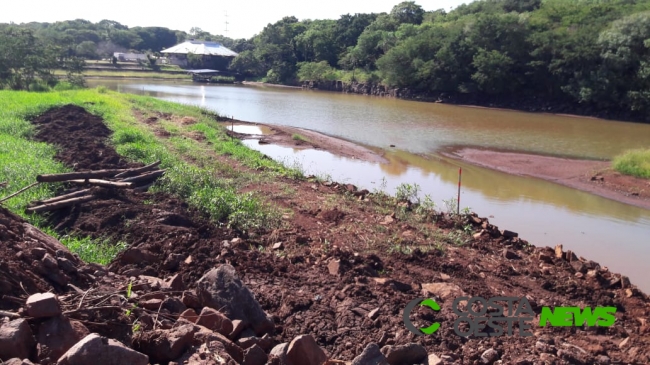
[[97, 350], [411, 353], [16, 340], [221, 289], [43, 305], [371, 355]]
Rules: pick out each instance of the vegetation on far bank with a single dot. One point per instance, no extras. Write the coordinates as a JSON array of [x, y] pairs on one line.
[[635, 163], [590, 53], [192, 174]]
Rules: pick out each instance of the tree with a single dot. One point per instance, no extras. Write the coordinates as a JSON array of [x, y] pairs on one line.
[[87, 49], [407, 12], [24, 59]]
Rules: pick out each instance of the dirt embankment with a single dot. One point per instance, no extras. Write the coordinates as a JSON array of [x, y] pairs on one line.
[[342, 269], [300, 138], [596, 177]]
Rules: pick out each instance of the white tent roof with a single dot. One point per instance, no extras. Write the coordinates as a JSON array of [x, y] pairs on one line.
[[201, 48]]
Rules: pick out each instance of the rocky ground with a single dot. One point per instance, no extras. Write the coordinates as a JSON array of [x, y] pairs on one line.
[[329, 286]]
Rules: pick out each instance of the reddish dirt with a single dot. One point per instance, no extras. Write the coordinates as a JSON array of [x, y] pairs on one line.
[[297, 287], [595, 177]]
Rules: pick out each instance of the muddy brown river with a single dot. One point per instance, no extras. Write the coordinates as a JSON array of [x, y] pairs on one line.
[[544, 213]]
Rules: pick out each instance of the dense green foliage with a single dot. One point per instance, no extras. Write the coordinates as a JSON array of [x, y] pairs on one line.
[[89, 40], [588, 52], [26, 61]]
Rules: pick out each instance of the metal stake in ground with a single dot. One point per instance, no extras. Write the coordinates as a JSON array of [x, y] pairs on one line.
[[460, 172]]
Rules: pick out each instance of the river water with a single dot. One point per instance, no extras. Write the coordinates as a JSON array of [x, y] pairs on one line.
[[615, 234]]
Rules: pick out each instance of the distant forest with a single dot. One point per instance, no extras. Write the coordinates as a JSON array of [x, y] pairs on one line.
[[594, 52]]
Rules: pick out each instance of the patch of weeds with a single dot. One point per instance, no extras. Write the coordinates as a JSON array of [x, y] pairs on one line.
[[451, 205], [408, 192], [298, 137], [101, 251], [398, 248]]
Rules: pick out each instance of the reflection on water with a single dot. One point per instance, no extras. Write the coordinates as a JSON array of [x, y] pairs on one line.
[[246, 129], [543, 213]]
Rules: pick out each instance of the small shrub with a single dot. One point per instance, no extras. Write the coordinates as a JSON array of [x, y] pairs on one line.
[[635, 163]]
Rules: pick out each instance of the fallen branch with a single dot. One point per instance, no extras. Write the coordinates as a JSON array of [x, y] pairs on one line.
[[139, 170], [144, 177], [62, 197], [78, 175], [60, 204], [103, 183], [9, 315], [83, 297], [19, 191]]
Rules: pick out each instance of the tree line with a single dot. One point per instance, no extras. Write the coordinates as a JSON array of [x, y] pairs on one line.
[[589, 52]]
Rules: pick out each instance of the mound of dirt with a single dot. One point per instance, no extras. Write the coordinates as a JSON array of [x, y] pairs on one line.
[[31, 262]]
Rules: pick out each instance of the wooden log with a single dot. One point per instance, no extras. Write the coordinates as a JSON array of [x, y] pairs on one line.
[[19, 191], [78, 175], [62, 197], [144, 177], [60, 204], [103, 183], [137, 171]]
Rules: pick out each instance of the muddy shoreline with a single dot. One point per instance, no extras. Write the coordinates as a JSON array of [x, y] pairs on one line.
[[595, 177], [284, 136]]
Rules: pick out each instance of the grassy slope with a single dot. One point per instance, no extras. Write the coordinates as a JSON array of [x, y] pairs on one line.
[[635, 163], [207, 185]]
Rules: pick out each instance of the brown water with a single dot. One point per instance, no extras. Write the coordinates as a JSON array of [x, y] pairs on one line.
[[544, 213]]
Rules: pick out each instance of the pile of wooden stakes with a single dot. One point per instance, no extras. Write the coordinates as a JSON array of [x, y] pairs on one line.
[[139, 179]]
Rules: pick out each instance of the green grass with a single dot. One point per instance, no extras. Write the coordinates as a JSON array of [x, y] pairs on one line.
[[298, 137], [635, 163], [208, 185], [101, 251]]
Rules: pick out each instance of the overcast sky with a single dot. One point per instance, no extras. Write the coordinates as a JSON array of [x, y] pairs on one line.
[[246, 17]]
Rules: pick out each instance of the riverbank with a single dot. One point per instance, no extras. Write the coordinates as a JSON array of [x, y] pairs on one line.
[[323, 261], [300, 138], [596, 177], [525, 103], [266, 84]]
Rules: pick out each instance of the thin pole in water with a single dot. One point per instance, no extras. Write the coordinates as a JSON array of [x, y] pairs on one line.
[[460, 172]]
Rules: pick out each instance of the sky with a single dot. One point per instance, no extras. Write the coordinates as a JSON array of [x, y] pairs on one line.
[[245, 17]]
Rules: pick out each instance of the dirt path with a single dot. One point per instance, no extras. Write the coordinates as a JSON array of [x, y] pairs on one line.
[[595, 177]]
